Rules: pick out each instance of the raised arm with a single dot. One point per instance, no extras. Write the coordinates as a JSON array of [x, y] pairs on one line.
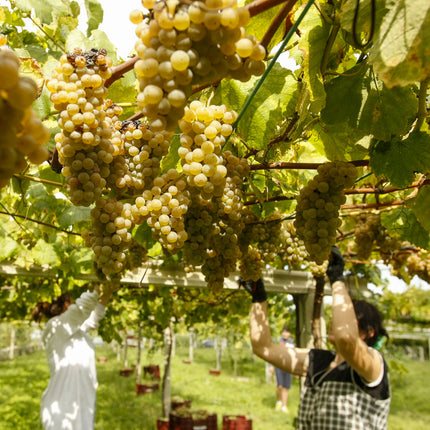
[[292, 360], [348, 339]]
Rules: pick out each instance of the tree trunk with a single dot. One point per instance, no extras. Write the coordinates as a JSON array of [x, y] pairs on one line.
[[316, 314], [166, 384], [218, 348], [139, 355], [12, 342], [191, 346], [125, 351]]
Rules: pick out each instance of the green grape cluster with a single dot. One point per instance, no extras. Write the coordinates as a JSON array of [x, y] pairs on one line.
[[22, 133], [137, 255], [213, 227], [163, 207], [143, 151], [204, 131], [369, 232], [318, 204], [251, 264], [181, 44], [418, 263], [293, 251], [263, 234], [110, 235], [84, 144]]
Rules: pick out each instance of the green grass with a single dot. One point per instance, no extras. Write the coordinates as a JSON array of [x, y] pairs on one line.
[[23, 380]]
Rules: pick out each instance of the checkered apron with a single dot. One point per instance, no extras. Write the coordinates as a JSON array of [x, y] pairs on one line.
[[340, 405]]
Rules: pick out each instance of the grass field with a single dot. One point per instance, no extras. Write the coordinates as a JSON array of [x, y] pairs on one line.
[[119, 408]]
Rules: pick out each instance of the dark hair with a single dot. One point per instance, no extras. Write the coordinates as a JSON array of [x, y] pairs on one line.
[[369, 318], [286, 328], [49, 310]]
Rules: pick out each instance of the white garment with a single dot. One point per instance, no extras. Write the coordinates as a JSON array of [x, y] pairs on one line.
[[70, 399]]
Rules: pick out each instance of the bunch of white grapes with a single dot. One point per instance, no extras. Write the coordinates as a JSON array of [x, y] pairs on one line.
[[181, 44], [293, 252], [163, 207], [263, 234], [84, 144], [110, 235], [143, 151], [318, 204], [204, 131], [22, 133], [214, 226], [251, 265]]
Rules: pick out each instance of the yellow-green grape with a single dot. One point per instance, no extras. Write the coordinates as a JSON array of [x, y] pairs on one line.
[[318, 204], [251, 265], [204, 131], [143, 151], [110, 237], [22, 135], [293, 252], [182, 44], [84, 144], [163, 206]]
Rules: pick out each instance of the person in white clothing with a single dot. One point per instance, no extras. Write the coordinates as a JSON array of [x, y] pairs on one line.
[[69, 401]]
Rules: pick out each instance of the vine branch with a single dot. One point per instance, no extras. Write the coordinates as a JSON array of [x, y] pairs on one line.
[[276, 23], [119, 70], [39, 222], [303, 166]]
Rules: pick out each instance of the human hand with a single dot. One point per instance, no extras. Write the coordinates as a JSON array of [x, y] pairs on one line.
[[255, 288], [336, 266]]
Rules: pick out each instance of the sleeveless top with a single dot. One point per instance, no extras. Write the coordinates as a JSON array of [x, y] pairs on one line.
[[338, 399]]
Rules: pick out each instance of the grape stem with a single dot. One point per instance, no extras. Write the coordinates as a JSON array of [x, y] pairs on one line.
[[260, 6], [287, 165], [119, 70], [276, 23]]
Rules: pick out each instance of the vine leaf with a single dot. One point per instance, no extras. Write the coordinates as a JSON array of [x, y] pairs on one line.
[[399, 160], [275, 100], [72, 215], [402, 222], [8, 248], [95, 15], [400, 50], [421, 207], [44, 9], [44, 254], [314, 34], [368, 106]]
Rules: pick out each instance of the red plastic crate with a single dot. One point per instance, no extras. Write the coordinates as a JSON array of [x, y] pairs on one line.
[[236, 422], [188, 423], [146, 388], [153, 371], [162, 424], [179, 404], [126, 372]]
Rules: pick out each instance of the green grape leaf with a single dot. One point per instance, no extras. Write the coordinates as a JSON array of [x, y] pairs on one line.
[[421, 207], [71, 215], [403, 223], [260, 120], [339, 142], [77, 39], [44, 9], [42, 104], [8, 248], [398, 160], [44, 254], [366, 105], [400, 48], [95, 15], [171, 160], [314, 34]]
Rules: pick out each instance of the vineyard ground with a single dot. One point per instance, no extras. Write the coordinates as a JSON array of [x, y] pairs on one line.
[[118, 407]]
